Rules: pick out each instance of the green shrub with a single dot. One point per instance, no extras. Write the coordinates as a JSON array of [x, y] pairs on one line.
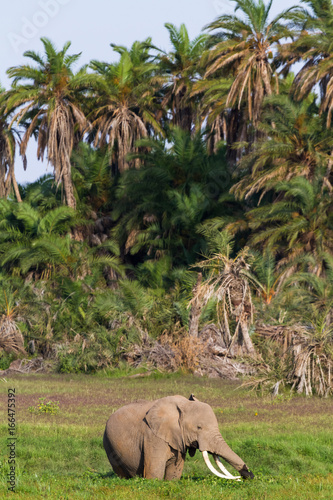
[[51, 407], [5, 359]]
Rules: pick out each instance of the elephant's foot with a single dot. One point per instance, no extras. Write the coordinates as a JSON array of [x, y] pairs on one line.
[[173, 472], [120, 472]]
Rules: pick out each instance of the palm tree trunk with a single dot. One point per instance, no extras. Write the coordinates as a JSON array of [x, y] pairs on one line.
[[69, 189], [226, 329], [241, 344], [266, 79], [16, 188], [246, 339], [2, 180]]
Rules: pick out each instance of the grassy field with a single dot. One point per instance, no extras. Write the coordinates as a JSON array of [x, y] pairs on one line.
[[287, 441]]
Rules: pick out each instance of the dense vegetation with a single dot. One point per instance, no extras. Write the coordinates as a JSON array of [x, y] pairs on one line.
[[204, 173]]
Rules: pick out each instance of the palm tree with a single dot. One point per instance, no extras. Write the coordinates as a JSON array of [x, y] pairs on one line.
[[22, 226], [42, 244], [314, 290], [182, 69], [313, 46], [8, 139], [228, 282], [91, 177], [159, 205], [298, 226], [48, 97], [212, 94], [265, 276], [244, 48], [126, 104], [42, 194], [298, 145]]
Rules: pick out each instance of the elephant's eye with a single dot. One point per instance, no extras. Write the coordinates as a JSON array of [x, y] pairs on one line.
[[199, 427]]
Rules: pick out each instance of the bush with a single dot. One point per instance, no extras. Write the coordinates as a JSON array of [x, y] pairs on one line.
[[51, 407], [5, 359]]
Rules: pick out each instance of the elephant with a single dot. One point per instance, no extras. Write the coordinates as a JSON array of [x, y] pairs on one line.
[[150, 439]]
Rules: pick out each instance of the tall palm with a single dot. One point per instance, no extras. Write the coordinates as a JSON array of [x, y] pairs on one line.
[[245, 42], [299, 225], [182, 69], [298, 145], [313, 46], [126, 104], [8, 139], [48, 96]]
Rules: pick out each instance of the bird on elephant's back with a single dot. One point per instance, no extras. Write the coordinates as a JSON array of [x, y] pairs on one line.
[[151, 439]]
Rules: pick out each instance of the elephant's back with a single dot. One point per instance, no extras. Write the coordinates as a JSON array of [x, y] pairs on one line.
[[128, 416]]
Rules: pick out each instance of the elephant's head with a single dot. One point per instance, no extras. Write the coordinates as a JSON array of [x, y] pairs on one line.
[[190, 425]]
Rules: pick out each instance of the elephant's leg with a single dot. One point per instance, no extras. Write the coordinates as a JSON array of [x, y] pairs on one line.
[[154, 470], [174, 468], [156, 456], [114, 460]]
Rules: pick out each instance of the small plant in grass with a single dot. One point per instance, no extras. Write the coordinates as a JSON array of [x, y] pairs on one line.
[[51, 407]]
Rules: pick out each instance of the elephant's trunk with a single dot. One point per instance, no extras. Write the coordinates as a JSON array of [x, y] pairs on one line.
[[226, 474], [221, 449]]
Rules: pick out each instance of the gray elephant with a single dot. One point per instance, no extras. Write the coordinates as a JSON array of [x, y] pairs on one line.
[[150, 439]]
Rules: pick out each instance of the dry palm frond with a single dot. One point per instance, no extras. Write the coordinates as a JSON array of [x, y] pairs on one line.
[[118, 125], [265, 380], [228, 283], [131, 240], [311, 367], [34, 365], [205, 355], [311, 357], [11, 339]]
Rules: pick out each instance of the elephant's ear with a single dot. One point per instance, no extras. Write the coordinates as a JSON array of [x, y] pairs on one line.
[[164, 419]]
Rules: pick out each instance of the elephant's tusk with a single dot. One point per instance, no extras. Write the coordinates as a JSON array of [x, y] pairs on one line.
[[223, 469], [212, 469]]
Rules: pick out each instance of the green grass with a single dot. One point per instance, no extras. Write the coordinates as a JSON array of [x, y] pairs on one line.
[[287, 442]]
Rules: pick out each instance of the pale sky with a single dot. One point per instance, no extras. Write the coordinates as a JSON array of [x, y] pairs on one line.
[[91, 26]]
